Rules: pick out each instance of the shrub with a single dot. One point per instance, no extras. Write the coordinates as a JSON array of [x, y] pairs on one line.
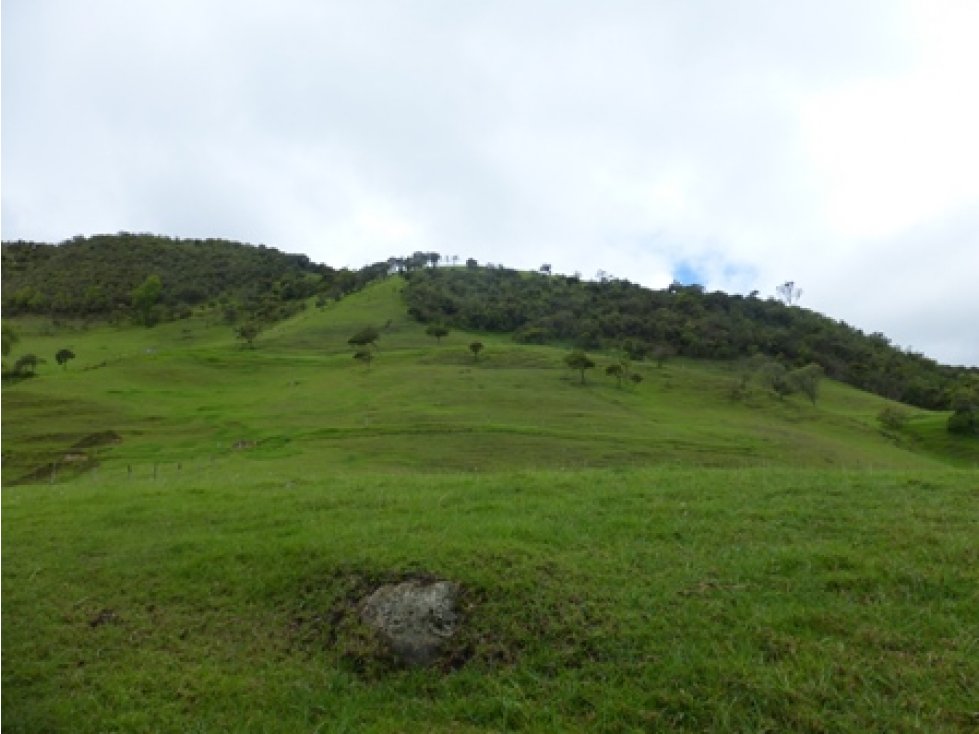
[[963, 423], [892, 418], [26, 365]]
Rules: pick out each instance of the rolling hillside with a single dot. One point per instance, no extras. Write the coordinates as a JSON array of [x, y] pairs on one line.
[[188, 389], [190, 529]]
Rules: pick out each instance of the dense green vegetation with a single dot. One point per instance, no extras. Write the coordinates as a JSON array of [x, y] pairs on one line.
[[540, 308], [151, 278], [189, 524]]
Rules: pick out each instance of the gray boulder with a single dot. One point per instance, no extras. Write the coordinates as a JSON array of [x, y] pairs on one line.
[[413, 618]]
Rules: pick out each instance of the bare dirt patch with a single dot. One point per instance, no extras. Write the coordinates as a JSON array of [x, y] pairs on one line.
[[101, 438], [72, 462], [64, 467], [105, 616]]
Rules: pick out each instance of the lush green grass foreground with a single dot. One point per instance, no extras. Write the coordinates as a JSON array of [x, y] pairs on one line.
[[221, 599]]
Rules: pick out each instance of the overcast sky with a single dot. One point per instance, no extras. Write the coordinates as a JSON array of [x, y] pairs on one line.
[[736, 144]]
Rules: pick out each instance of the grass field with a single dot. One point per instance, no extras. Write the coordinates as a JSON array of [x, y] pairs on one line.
[[187, 526]]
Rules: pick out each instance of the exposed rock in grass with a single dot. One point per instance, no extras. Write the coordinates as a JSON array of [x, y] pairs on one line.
[[361, 623], [414, 618], [243, 443]]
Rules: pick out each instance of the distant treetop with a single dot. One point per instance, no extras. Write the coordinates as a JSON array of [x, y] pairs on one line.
[[96, 277]]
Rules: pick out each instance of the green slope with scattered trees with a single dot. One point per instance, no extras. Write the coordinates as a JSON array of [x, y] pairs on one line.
[[540, 308], [149, 279], [364, 382]]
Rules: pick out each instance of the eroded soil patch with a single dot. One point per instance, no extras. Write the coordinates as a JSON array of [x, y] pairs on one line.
[[101, 438], [72, 462]]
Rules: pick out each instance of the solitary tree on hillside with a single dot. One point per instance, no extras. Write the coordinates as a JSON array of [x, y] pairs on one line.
[[367, 335], [783, 385], [788, 293], [617, 371], [580, 361], [476, 348], [806, 380], [663, 352], [62, 357], [247, 333], [438, 331], [893, 418], [772, 374], [144, 298], [635, 348]]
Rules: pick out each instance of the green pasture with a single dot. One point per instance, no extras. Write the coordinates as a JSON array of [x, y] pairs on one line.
[[219, 599], [188, 525], [187, 389]]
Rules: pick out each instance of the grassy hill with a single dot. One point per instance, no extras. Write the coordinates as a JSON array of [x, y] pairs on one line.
[[187, 389], [187, 525]]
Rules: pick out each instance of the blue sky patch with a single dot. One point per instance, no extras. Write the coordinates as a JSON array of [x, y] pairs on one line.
[[685, 273]]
